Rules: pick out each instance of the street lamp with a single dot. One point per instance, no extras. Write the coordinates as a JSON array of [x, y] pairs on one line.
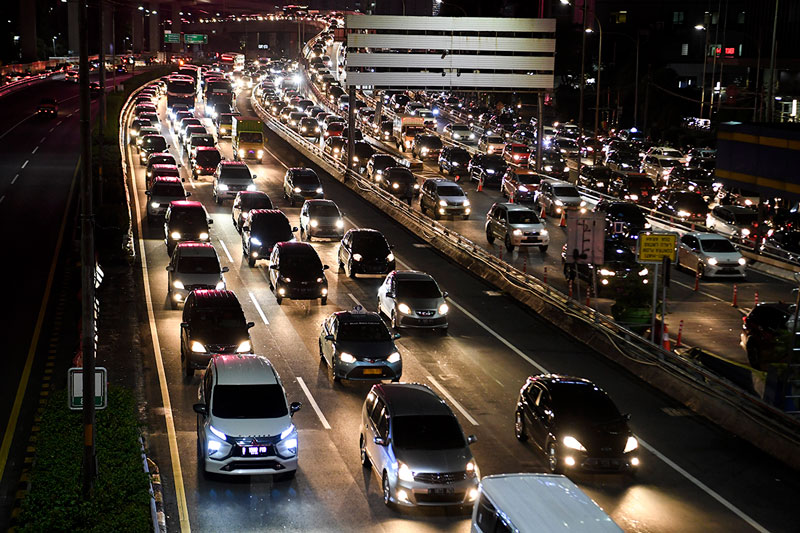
[[703, 27], [54, 46], [597, 82]]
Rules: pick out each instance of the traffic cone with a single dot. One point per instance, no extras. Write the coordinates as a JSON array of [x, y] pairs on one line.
[[665, 338], [588, 298], [511, 198], [735, 295], [680, 334], [480, 185], [563, 222], [543, 214], [697, 281], [545, 275], [525, 265], [755, 304], [570, 289]]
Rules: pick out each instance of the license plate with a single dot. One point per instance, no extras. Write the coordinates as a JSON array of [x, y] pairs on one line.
[[376, 371], [446, 490], [255, 450]]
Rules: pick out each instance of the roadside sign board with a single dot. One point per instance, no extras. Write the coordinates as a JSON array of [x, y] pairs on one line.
[[585, 238], [655, 247], [195, 38], [170, 37], [75, 388]]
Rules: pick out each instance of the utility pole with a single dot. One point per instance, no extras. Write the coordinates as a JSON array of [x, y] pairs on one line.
[[583, 74], [597, 83], [771, 92], [539, 130], [102, 121], [706, 24], [87, 261], [351, 127]]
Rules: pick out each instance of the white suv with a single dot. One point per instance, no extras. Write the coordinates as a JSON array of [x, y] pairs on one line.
[[244, 424]]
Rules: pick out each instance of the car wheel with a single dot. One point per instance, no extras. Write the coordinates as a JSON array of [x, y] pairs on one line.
[[323, 300], [543, 249], [509, 246], [351, 273], [251, 261], [387, 491], [489, 236], [552, 459], [363, 452], [519, 427]]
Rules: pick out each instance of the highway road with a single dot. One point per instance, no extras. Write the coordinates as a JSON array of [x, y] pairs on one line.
[[694, 477], [38, 164]]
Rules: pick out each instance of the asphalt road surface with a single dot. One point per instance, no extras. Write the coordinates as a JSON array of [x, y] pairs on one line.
[[694, 477]]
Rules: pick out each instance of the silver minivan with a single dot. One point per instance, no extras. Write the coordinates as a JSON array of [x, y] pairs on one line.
[[516, 225], [413, 442], [193, 265], [230, 178]]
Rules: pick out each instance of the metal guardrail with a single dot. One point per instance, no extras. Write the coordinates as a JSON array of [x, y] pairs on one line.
[[14, 86]]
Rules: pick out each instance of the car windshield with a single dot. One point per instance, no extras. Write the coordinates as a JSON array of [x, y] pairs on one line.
[[417, 288], [746, 219], [520, 150], [277, 228], [324, 210], [719, 246], [256, 201], [565, 190], [174, 190], [188, 217], [383, 161], [449, 190], [198, 265], [208, 158], [369, 241], [248, 401], [529, 179], [249, 137], [672, 153], [363, 332], [614, 253], [586, 403], [427, 432], [308, 180], [640, 183], [161, 159], [301, 263], [155, 143], [567, 143], [431, 142], [522, 217], [494, 161]]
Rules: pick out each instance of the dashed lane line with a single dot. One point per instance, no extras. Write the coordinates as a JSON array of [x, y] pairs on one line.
[[258, 308], [34, 150], [355, 300], [313, 403], [453, 401], [225, 249], [14, 179], [25, 164]]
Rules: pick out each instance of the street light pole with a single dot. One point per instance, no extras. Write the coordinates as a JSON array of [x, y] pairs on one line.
[[705, 63], [636, 86], [583, 61], [771, 92], [597, 80]]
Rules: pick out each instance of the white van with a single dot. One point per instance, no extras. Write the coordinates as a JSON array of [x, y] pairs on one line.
[[521, 503]]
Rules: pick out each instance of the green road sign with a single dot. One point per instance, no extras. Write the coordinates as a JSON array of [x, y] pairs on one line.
[[75, 388], [172, 37], [195, 38]]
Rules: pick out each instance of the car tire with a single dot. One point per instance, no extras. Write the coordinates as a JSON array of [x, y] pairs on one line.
[[508, 245], [489, 236], [552, 459], [323, 300], [279, 300], [362, 447], [387, 491], [543, 249], [351, 273], [519, 427]]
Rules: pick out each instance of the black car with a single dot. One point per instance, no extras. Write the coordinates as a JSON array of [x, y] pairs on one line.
[[301, 184], [205, 161], [783, 243], [633, 186], [377, 164], [685, 206], [261, 231], [554, 165], [454, 161], [576, 425], [625, 219], [693, 179], [136, 125], [185, 221], [426, 146], [296, 272], [761, 331], [619, 262], [245, 202], [627, 160], [362, 151], [487, 168], [596, 178], [400, 182], [365, 251], [213, 323], [151, 144]]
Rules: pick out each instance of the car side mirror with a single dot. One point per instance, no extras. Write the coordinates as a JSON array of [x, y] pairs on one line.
[[170, 268], [147, 193], [294, 407], [225, 269], [445, 294], [472, 439], [184, 325], [391, 246], [200, 409], [380, 441], [254, 176], [390, 294], [251, 325], [210, 220], [294, 229], [188, 194], [325, 267], [180, 165], [329, 338], [274, 267], [626, 416], [396, 336]]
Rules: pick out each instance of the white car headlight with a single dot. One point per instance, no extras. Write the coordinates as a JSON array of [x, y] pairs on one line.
[[319, 190], [220, 286], [297, 189], [390, 257], [606, 272], [559, 202], [631, 444], [404, 472], [393, 358], [643, 272], [742, 261], [241, 152], [155, 205], [712, 261], [356, 257], [647, 225], [251, 187], [443, 203], [548, 168], [197, 347], [340, 223], [517, 233], [175, 235], [313, 223], [572, 442], [203, 236], [178, 284], [583, 203], [443, 309], [345, 357], [255, 241], [544, 233], [222, 187], [683, 213], [244, 347], [403, 308]]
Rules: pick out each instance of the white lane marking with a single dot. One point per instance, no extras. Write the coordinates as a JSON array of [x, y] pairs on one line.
[[9, 130], [51, 129], [43, 139], [258, 307], [25, 164], [702, 486], [14, 179], [59, 122], [708, 490], [355, 300], [2, 198], [276, 158], [313, 403], [225, 249], [453, 401], [174, 453], [34, 150], [69, 115], [717, 298]]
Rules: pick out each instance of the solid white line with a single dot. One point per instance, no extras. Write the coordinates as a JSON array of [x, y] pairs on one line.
[[9, 130], [702, 486], [453, 401], [258, 308], [276, 158], [708, 490], [355, 300], [69, 115], [34, 150], [313, 403], [14, 179], [25, 164], [225, 249], [175, 456]]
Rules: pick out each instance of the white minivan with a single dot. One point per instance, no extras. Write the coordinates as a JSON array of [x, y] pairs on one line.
[[522, 503]]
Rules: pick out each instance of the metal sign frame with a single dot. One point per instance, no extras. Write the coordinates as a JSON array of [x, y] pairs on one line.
[[75, 388], [661, 244], [586, 233]]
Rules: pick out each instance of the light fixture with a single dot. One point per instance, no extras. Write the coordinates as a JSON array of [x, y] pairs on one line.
[[699, 27]]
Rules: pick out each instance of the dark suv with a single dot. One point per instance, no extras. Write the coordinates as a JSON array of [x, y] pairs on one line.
[[426, 146], [487, 168], [301, 184], [400, 182], [213, 323], [185, 221], [261, 231], [296, 272], [454, 161], [205, 161], [365, 251]]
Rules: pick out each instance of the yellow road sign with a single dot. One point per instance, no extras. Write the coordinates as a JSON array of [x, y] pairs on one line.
[[654, 247]]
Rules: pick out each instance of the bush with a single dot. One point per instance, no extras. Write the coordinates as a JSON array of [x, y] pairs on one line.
[[121, 499]]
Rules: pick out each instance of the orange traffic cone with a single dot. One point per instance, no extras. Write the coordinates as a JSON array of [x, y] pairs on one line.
[[563, 222], [480, 185], [511, 198], [665, 339]]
